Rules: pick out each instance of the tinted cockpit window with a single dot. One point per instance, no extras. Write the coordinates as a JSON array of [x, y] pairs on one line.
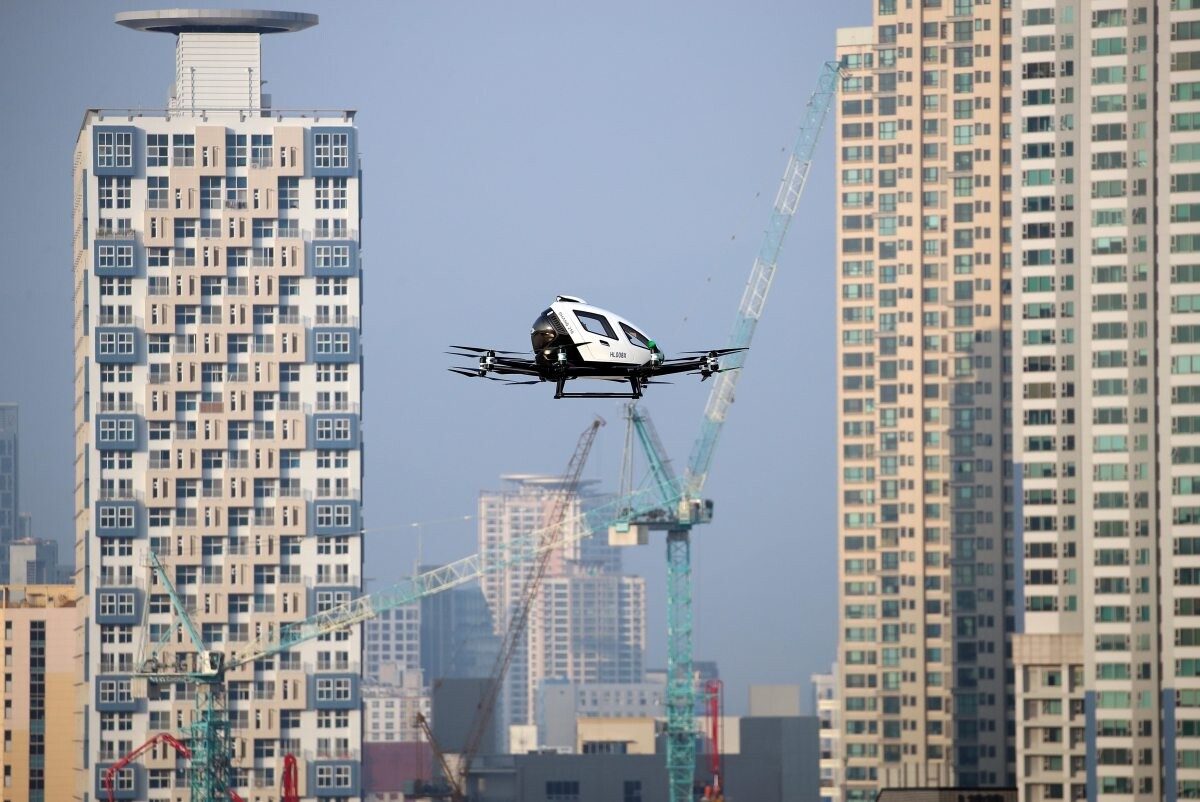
[[596, 324], [635, 337]]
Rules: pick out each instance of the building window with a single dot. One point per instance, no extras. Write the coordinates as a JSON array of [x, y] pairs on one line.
[[114, 148], [116, 431], [183, 150], [115, 692], [260, 150], [156, 150], [116, 604], [562, 791], [116, 343], [331, 150], [114, 192], [235, 150]]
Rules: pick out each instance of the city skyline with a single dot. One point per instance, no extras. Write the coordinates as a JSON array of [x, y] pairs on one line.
[[736, 86]]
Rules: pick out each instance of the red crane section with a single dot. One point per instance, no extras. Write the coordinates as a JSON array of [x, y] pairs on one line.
[[291, 786], [713, 693], [169, 740]]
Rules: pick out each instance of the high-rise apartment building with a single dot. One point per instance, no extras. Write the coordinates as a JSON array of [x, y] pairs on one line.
[[391, 705], [392, 642], [924, 385], [458, 639], [1108, 158], [41, 750], [587, 628], [218, 382], [583, 596], [10, 496], [34, 562], [827, 709]]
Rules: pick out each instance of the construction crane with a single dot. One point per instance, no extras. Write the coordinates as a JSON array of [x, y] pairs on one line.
[[714, 707], [205, 669], [678, 513], [549, 533], [112, 771], [290, 790], [673, 504]]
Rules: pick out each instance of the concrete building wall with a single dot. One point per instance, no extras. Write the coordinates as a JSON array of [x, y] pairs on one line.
[[924, 336], [774, 700]]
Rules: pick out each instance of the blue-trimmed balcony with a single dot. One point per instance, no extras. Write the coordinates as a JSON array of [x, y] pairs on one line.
[[333, 431], [336, 164], [118, 433], [116, 345], [341, 258], [122, 518], [334, 345], [114, 150], [113, 253]]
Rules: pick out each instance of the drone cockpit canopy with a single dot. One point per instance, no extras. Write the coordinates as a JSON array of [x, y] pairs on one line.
[[544, 330]]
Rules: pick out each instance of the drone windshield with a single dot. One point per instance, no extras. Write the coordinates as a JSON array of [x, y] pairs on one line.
[[543, 332]]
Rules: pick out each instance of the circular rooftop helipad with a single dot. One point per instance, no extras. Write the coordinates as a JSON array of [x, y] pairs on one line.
[[215, 20]]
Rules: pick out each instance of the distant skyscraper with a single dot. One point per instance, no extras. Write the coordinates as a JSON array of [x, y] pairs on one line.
[[1107, 153], [827, 709], [10, 496], [582, 581], [32, 562], [218, 381], [392, 639], [458, 639], [390, 707], [924, 337]]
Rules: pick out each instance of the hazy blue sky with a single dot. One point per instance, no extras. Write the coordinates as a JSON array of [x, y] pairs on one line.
[[625, 152]]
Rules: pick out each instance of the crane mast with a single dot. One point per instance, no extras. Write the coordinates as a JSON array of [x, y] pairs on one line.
[[678, 515]]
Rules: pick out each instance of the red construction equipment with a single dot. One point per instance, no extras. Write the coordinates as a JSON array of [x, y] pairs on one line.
[[713, 702], [291, 786], [169, 740]]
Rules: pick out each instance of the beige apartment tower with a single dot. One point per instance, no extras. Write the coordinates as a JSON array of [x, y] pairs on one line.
[[925, 506], [218, 378], [1107, 156]]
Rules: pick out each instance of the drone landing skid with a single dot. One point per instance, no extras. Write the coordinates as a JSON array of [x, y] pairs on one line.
[[559, 392]]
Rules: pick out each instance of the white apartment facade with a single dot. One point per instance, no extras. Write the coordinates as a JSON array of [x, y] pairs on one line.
[[218, 386], [1106, 141]]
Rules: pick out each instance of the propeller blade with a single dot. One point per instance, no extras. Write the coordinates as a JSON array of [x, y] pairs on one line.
[[535, 381], [717, 351], [657, 382], [475, 350]]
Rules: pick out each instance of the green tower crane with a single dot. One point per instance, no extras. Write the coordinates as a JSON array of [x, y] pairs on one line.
[[679, 512]]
